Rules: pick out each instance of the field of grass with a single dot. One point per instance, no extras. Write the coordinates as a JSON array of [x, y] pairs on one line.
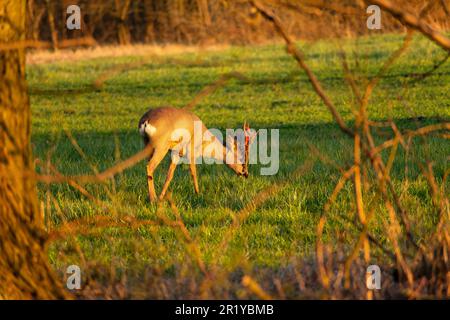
[[104, 124]]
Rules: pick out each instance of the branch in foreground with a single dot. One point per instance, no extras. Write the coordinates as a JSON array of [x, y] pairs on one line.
[[133, 160], [412, 21], [214, 86], [299, 57], [102, 176]]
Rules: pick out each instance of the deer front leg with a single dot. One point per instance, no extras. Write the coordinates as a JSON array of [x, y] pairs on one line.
[[192, 154], [172, 167], [157, 156], [193, 170]]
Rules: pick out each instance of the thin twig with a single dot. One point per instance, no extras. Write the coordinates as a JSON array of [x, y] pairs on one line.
[[299, 57]]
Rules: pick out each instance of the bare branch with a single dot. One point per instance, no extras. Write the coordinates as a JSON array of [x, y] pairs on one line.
[[412, 21], [214, 86], [102, 176], [299, 57]]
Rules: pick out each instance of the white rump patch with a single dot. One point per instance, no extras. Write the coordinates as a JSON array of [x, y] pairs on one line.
[[147, 129], [150, 130]]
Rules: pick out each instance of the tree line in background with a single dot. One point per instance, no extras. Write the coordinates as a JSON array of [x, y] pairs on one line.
[[212, 21]]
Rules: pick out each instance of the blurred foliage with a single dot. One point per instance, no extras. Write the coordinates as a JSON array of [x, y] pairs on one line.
[[218, 21]]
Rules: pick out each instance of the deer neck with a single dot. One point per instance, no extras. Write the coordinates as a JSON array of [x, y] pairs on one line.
[[225, 153]]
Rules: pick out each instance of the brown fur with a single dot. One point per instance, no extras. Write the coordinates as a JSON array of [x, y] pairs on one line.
[[166, 120]]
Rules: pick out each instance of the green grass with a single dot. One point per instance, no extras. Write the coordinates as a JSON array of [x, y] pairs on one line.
[[104, 123]]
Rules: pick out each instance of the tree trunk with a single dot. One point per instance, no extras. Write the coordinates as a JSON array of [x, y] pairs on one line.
[[123, 34], [24, 269], [204, 12], [150, 15], [51, 24]]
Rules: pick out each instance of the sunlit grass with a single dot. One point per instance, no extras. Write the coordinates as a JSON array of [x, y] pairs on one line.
[[278, 96]]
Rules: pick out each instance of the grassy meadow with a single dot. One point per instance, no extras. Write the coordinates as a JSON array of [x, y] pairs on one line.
[[103, 122]]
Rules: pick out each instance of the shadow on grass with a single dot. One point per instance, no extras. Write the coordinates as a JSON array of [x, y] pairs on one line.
[[219, 186]]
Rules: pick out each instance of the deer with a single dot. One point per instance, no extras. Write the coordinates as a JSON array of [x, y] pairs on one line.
[[157, 127]]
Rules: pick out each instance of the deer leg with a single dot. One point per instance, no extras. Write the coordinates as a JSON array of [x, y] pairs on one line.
[[172, 167], [192, 167], [153, 162], [193, 170]]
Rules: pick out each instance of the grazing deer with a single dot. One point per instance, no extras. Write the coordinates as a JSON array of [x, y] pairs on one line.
[[157, 127]]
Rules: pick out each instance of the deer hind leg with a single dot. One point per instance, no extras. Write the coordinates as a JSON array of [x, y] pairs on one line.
[[172, 166], [153, 162]]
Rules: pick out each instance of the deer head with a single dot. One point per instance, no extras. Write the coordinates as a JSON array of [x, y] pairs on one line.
[[241, 150]]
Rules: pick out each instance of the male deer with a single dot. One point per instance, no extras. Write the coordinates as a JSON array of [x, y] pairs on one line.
[[157, 127]]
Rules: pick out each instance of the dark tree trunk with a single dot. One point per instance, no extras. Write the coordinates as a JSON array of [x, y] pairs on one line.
[[150, 16], [123, 32], [24, 269], [51, 24]]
